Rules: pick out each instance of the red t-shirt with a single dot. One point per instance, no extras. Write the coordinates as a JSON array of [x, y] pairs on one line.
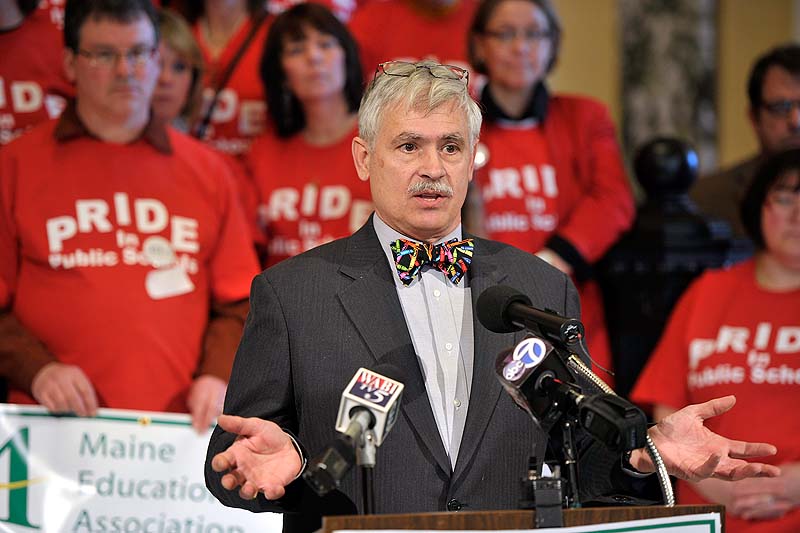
[[727, 336], [309, 195], [240, 113], [111, 254], [394, 30], [563, 177], [523, 198], [33, 85]]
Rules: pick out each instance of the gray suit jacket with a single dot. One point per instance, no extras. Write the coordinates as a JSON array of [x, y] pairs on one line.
[[318, 317]]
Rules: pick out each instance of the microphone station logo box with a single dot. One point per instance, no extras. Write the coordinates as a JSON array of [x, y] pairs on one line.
[[518, 363], [374, 388], [377, 393]]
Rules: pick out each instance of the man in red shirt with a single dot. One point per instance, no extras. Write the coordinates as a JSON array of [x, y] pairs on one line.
[[125, 261]]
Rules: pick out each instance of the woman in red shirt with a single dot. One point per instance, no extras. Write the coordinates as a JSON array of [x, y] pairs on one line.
[[308, 189], [737, 331], [550, 177]]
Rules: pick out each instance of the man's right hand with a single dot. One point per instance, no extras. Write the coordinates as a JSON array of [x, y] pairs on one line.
[[261, 459], [64, 388]]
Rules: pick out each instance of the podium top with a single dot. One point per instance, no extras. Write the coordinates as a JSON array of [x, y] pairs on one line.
[[493, 520]]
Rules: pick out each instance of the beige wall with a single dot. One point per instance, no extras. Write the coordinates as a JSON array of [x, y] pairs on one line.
[[590, 58], [589, 61], [747, 28]]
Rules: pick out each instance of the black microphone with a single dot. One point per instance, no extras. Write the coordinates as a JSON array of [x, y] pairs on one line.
[[371, 401], [540, 382], [525, 370], [503, 309]]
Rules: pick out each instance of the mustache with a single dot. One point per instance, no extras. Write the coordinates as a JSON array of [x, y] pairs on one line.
[[441, 188]]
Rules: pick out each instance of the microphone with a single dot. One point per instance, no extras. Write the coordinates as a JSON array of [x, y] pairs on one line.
[[523, 371], [541, 383], [503, 309], [371, 402]]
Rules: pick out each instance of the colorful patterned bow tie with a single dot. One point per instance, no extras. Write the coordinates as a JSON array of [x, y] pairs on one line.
[[452, 257]]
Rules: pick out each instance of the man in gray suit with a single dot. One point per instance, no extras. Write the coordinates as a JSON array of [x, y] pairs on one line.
[[460, 442]]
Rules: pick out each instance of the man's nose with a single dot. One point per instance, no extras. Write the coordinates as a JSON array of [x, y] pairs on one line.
[[123, 66], [432, 165], [520, 42]]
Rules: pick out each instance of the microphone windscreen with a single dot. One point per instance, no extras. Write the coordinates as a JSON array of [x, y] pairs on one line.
[[492, 308]]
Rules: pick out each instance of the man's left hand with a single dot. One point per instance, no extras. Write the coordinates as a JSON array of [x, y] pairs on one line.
[[206, 396], [693, 452]]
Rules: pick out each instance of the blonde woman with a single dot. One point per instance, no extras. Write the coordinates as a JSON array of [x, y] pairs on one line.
[[178, 95]]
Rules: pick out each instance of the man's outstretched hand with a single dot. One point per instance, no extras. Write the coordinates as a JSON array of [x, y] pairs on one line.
[[261, 459], [693, 452]]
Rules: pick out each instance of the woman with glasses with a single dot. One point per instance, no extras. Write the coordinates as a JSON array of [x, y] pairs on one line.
[[178, 94], [308, 190], [550, 177], [737, 331]]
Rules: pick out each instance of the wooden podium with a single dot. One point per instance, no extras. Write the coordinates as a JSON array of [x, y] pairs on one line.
[[510, 519]]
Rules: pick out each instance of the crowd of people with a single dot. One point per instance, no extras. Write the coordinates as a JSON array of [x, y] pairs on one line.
[[156, 156]]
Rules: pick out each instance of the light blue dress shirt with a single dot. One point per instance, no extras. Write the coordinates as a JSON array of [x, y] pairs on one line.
[[438, 314]]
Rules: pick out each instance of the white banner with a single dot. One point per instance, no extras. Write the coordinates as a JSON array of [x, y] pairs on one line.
[[120, 472]]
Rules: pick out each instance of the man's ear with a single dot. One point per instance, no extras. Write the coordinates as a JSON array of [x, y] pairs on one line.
[[361, 157], [69, 64]]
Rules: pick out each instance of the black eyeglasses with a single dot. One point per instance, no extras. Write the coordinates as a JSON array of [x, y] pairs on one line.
[[781, 108], [109, 58], [404, 69]]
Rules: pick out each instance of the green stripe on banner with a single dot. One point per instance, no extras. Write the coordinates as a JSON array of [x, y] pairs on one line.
[[710, 523], [142, 420]]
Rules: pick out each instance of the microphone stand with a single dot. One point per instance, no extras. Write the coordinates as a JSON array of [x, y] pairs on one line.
[[571, 492], [661, 470], [366, 453], [561, 393], [570, 334]]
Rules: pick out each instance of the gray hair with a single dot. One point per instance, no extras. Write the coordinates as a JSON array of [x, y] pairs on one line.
[[420, 91]]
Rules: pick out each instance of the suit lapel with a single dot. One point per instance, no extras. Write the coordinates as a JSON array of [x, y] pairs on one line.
[[372, 304], [486, 389]]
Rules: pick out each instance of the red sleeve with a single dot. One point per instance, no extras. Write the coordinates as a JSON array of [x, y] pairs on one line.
[[606, 208], [21, 354], [663, 380], [225, 326]]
